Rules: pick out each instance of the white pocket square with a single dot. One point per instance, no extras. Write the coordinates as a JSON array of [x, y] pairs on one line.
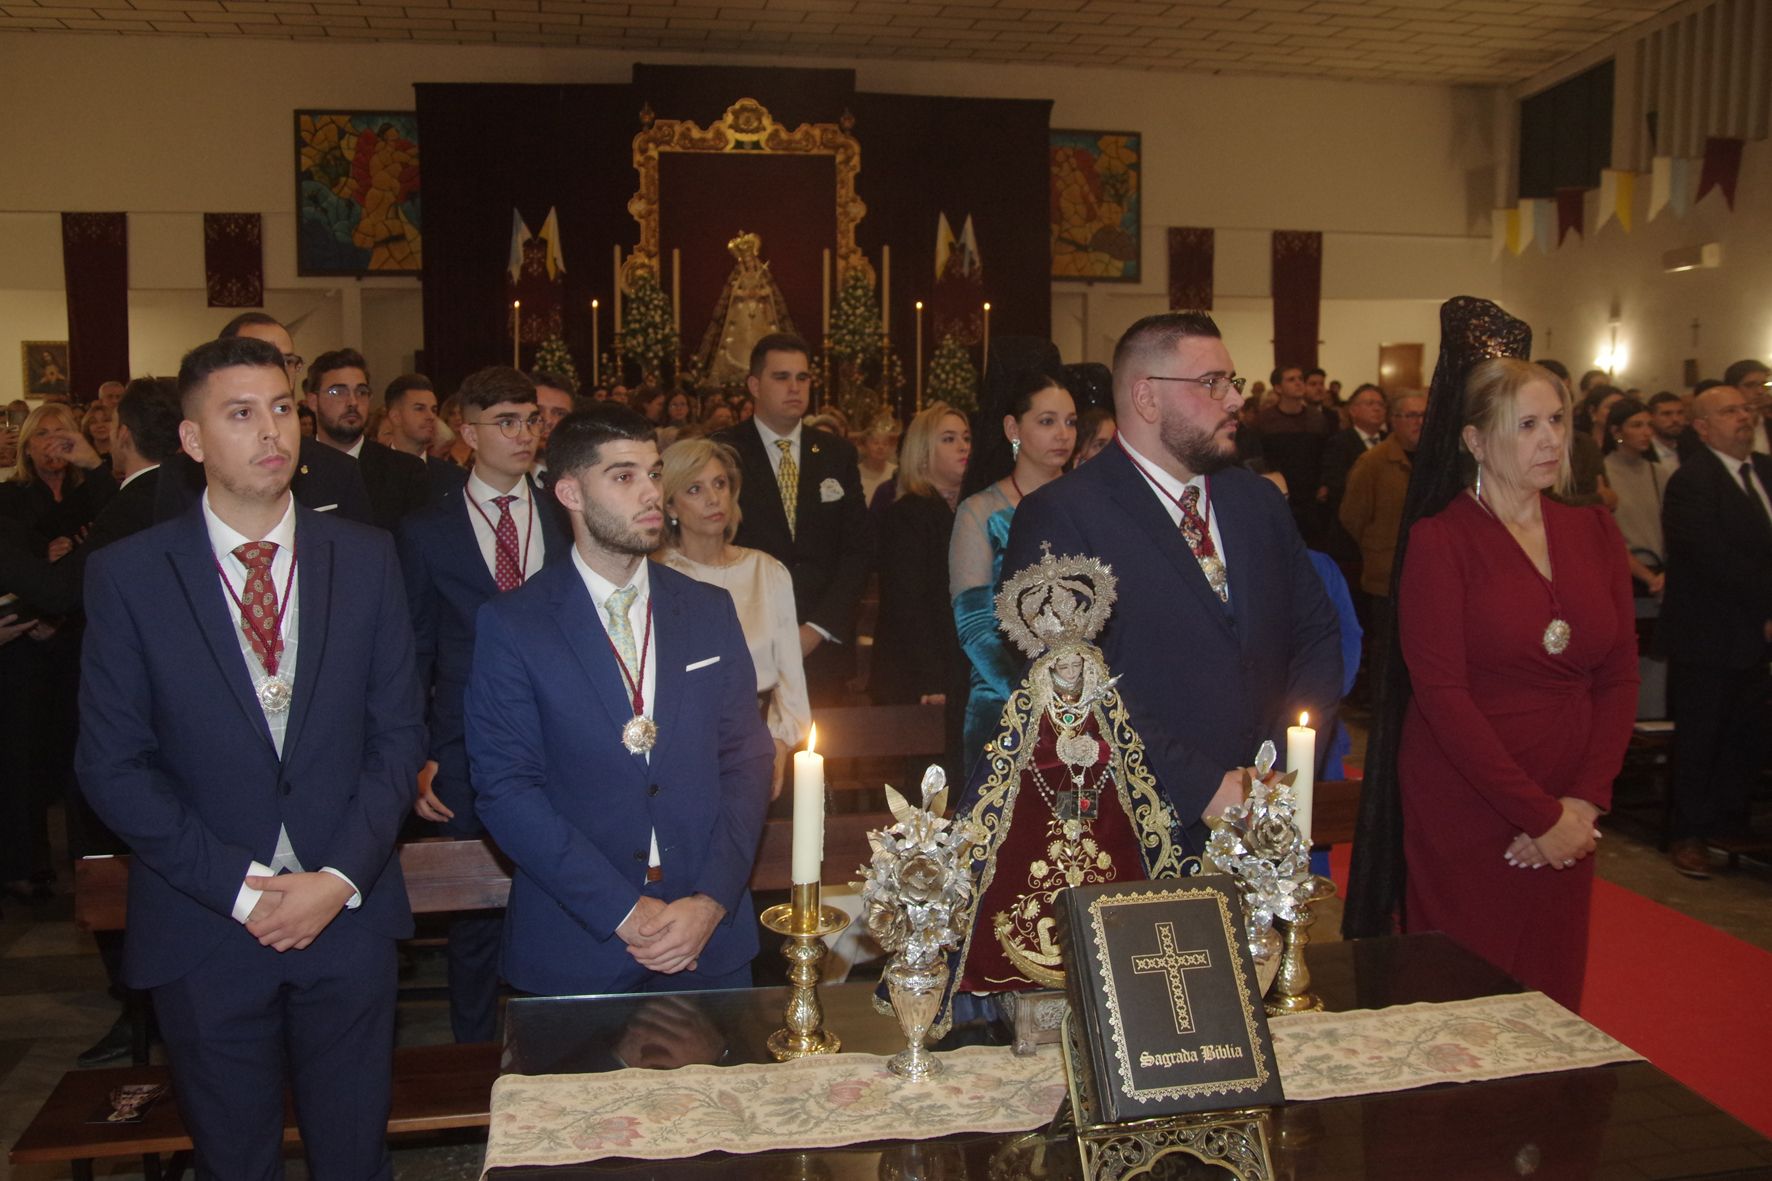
[[830, 490], [326, 508], [689, 668]]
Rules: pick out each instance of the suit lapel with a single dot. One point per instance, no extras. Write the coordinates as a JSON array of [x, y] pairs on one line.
[[670, 641], [813, 454], [767, 501], [586, 636], [217, 619], [1139, 501], [464, 544], [1235, 530], [313, 590]]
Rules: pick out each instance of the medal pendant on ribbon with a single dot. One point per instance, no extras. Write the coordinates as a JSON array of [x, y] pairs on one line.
[[640, 734], [1213, 569], [1556, 636], [275, 695]]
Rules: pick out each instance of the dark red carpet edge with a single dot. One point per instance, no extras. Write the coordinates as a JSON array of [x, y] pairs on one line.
[[1694, 1001]]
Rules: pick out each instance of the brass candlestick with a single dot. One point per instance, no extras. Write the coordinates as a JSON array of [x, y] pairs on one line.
[[804, 922], [1291, 991]]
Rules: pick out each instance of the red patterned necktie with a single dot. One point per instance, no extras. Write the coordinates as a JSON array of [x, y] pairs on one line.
[[506, 571], [258, 602], [1199, 539]]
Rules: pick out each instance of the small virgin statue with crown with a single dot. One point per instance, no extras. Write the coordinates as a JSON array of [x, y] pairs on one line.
[[750, 308]]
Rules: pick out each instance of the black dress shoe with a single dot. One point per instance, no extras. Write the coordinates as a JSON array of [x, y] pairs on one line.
[[113, 1047]]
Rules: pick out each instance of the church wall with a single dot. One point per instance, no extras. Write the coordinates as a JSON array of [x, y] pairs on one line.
[[1398, 177]]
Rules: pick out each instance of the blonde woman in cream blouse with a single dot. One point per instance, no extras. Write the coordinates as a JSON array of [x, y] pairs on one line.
[[700, 489]]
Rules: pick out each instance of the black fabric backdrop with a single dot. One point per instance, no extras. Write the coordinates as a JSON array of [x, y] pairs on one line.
[[491, 147]]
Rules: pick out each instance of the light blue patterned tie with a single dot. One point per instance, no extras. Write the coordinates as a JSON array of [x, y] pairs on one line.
[[621, 632]]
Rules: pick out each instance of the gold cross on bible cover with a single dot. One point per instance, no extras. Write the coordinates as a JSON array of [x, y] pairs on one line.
[[1174, 965]]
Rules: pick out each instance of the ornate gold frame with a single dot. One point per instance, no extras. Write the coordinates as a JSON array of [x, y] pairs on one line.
[[745, 127]]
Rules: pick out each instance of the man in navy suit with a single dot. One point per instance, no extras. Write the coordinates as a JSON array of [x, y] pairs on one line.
[[1222, 632], [491, 536], [615, 746], [251, 727]]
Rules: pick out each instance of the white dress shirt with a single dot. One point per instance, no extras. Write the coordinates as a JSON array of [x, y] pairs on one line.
[[1169, 490], [531, 546], [1665, 455], [355, 450], [600, 589], [223, 540], [1368, 441], [131, 477], [1734, 469]]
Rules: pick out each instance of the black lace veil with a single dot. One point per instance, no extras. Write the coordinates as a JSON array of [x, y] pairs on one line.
[[1471, 331]]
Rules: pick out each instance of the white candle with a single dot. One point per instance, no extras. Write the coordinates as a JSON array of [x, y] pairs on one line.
[[596, 350], [824, 272], [919, 362], [808, 855], [885, 291], [1301, 757], [516, 332], [984, 366]]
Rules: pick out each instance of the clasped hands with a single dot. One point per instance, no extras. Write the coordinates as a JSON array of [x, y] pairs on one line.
[[1570, 839], [667, 937], [294, 908]]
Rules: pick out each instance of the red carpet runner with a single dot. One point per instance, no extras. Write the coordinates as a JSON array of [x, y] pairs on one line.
[[1694, 1001]]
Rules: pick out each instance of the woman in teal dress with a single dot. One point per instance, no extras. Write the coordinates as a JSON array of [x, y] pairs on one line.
[[1040, 428]]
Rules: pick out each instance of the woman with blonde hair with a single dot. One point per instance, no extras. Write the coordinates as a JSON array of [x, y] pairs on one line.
[[60, 481], [1517, 630], [917, 657], [700, 489]]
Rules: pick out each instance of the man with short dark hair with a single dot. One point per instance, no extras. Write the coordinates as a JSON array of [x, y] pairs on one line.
[[339, 395], [1367, 413], [615, 746], [1216, 589], [802, 505], [145, 437], [489, 535], [1371, 513], [251, 727], [1293, 435], [1750, 378], [554, 394], [1667, 421], [410, 402], [1716, 625], [1316, 392]]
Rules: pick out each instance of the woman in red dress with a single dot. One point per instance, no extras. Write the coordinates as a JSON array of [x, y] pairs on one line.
[[1518, 630]]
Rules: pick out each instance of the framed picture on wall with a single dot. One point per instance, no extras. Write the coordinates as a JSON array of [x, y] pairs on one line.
[[357, 193], [46, 367], [1095, 177]]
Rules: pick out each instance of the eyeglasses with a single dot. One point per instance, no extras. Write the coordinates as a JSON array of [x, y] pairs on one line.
[[512, 427], [293, 362], [347, 391], [1218, 387]]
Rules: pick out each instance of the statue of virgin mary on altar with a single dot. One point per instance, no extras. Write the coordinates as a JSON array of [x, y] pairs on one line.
[[750, 308]]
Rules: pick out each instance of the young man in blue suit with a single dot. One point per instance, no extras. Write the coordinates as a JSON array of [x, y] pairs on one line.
[[251, 728], [1216, 591], [491, 536], [615, 745]]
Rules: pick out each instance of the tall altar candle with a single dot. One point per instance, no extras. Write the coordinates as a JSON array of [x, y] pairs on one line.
[[808, 847], [1301, 757], [677, 291], [984, 365], [596, 349], [824, 272], [919, 361], [516, 332], [886, 291]]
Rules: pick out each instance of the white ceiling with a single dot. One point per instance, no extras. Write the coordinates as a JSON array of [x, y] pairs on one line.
[[1485, 42]]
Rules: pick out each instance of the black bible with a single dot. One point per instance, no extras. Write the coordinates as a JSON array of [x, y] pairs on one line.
[[1166, 1015]]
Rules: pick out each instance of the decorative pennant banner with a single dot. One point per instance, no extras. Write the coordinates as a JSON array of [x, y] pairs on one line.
[[1618, 186], [95, 266], [1191, 252], [1544, 223], [1680, 185], [1526, 226], [1722, 167], [1571, 211], [1503, 227], [233, 260], [1512, 219], [1296, 270]]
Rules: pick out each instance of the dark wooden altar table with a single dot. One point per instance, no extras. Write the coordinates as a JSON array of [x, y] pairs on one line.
[[1624, 1122]]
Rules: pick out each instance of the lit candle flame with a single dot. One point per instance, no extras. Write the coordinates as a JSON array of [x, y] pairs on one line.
[[919, 305], [594, 305], [1304, 719], [516, 303], [812, 738], [987, 305]]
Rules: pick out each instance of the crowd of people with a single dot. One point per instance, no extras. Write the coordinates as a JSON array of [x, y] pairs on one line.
[[267, 616]]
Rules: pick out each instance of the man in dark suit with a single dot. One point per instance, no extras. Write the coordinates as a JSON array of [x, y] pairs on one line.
[[339, 395], [490, 536], [325, 480], [1222, 632], [1366, 411], [802, 505], [1716, 624], [615, 746], [411, 404], [253, 731]]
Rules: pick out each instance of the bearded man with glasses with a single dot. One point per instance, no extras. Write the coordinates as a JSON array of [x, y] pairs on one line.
[[339, 395], [1216, 590]]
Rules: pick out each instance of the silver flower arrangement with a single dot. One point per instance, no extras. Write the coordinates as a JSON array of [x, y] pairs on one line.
[[914, 885], [1258, 844]]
